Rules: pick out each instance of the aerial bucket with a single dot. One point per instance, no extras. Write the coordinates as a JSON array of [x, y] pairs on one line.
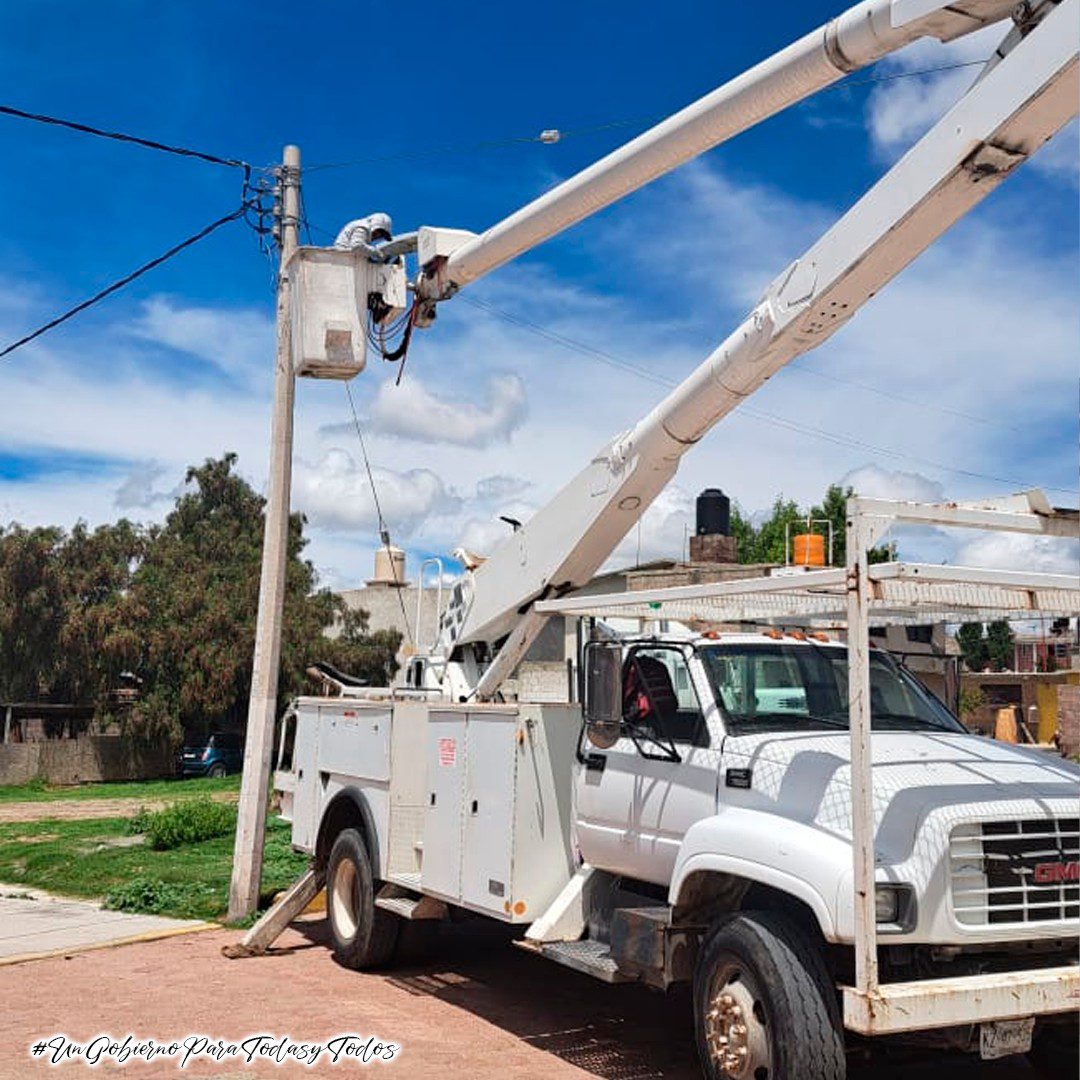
[[328, 301]]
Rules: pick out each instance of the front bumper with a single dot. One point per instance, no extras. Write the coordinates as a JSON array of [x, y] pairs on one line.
[[967, 999]]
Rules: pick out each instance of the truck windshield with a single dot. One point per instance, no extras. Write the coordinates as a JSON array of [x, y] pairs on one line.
[[791, 687]]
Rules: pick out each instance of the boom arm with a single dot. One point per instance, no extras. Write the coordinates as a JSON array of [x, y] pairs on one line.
[[860, 36], [1015, 106]]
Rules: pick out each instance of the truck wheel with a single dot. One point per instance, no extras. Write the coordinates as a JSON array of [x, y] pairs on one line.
[[1054, 1050], [364, 936], [764, 1006]]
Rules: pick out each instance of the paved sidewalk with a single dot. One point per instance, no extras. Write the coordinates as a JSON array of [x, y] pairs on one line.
[[34, 924]]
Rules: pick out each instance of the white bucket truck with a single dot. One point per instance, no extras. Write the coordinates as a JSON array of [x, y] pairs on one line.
[[709, 814]]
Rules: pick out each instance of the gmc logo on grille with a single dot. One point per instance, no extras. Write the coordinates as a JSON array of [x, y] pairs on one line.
[[1056, 873]]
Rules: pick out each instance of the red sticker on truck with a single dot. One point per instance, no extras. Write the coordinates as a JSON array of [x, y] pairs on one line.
[[448, 752]]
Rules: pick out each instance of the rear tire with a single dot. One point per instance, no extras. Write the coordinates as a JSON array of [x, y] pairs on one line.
[[217, 771], [363, 935], [764, 1006]]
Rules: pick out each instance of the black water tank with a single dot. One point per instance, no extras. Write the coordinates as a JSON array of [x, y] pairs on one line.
[[713, 513]]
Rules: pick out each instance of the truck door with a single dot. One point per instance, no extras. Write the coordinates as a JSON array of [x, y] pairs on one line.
[[649, 772]]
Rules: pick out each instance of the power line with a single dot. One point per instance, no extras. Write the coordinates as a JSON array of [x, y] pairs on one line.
[[384, 532], [119, 136], [890, 395], [743, 409], [116, 286], [556, 135]]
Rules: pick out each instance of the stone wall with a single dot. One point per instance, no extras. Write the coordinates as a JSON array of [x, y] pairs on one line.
[[85, 759]]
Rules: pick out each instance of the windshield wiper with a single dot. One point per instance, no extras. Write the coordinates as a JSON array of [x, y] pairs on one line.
[[795, 718]]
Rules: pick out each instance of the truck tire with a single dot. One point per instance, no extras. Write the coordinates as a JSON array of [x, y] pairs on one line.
[[764, 1006], [1054, 1050], [363, 935]]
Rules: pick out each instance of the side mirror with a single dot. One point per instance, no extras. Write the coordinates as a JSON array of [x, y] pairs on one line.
[[603, 694]]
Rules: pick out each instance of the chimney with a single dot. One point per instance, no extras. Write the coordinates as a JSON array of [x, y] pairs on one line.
[[712, 541]]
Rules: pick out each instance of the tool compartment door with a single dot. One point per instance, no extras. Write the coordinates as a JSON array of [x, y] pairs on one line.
[[440, 870], [489, 809]]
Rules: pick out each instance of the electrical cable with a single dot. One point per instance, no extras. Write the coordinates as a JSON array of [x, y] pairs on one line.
[[116, 286], [119, 136], [546, 139], [743, 409], [384, 532]]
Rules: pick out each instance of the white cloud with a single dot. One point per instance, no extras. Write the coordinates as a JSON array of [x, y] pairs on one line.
[[874, 482], [238, 341], [412, 411], [335, 493], [139, 487], [1013, 551]]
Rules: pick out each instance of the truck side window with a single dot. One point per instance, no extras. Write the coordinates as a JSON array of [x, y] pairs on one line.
[[658, 691]]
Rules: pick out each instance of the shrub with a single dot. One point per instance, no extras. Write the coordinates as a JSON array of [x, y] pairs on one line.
[[139, 822], [147, 896], [185, 822]]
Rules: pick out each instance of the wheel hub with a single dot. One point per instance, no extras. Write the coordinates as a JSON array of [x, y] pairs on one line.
[[735, 1029]]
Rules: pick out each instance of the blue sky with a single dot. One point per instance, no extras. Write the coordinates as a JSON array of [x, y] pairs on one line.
[[103, 415]]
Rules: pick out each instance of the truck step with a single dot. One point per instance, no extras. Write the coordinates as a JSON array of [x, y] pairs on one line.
[[590, 957], [400, 902]]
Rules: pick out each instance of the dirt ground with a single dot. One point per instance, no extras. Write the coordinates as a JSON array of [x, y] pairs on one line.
[[85, 809], [475, 1007]]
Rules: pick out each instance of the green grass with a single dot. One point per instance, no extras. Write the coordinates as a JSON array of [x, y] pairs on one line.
[[77, 858], [38, 791]]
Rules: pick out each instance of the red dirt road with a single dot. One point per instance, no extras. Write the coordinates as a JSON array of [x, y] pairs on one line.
[[476, 1007]]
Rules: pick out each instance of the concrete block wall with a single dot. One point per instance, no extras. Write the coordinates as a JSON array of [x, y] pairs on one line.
[[86, 759]]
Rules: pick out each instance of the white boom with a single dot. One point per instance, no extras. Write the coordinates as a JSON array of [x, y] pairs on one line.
[[860, 36], [1026, 93]]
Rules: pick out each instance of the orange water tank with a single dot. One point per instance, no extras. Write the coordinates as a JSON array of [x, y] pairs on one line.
[[808, 549]]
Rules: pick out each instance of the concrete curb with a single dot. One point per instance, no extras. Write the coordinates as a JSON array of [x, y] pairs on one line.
[[134, 939]]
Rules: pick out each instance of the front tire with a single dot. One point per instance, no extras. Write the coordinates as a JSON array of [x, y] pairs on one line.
[[363, 935], [1055, 1052], [764, 1006]]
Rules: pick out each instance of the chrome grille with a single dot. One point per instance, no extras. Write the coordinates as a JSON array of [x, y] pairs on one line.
[[1015, 871]]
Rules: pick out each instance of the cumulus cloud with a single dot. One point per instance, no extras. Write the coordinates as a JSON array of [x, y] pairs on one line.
[[1014, 551], [874, 482], [240, 342], [412, 411], [335, 494]]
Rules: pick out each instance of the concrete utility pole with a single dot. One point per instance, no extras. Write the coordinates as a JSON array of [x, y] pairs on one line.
[[262, 707]]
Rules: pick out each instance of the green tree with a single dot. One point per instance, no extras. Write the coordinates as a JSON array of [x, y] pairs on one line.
[[766, 542], [1000, 645], [187, 622], [31, 611], [971, 638]]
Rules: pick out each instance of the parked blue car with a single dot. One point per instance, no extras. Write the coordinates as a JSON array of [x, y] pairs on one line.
[[217, 755]]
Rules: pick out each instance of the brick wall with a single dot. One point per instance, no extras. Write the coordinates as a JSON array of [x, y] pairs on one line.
[[1068, 710]]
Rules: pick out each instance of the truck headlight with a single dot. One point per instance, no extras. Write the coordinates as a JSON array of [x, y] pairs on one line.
[[886, 904], [894, 905]]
